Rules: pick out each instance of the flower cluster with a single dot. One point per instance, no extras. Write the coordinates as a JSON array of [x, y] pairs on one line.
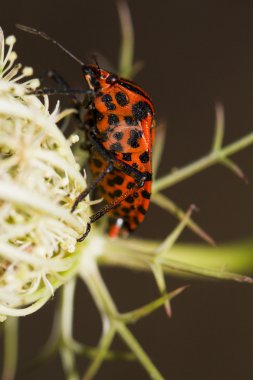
[[39, 180]]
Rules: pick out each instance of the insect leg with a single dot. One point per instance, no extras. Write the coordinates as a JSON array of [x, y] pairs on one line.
[[86, 233], [138, 176], [104, 210], [65, 89], [58, 78], [90, 188], [60, 91]]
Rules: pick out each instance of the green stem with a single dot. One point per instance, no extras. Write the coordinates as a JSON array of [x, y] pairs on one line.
[[97, 288], [67, 355], [105, 304], [10, 348], [68, 364], [67, 309], [89, 272], [133, 344], [134, 315], [198, 260], [158, 149], [219, 127], [102, 350], [91, 352], [201, 164], [168, 205], [127, 44]]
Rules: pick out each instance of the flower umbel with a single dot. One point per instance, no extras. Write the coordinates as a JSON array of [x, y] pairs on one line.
[[39, 180]]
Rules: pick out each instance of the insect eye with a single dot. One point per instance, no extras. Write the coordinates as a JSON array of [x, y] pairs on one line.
[[112, 78]]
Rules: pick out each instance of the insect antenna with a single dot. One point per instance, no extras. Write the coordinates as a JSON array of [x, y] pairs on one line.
[[47, 37], [95, 59]]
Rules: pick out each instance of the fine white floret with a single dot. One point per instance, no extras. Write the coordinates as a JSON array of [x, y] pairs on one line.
[[39, 180]]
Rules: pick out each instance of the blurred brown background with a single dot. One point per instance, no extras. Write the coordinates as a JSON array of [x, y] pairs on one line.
[[195, 53]]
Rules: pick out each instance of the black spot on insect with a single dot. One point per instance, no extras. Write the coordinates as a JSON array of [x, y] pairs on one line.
[[131, 121], [118, 135], [112, 79], [117, 193], [116, 147], [132, 87], [126, 210], [97, 162], [116, 214], [134, 137], [130, 185], [135, 166], [136, 221], [132, 207], [142, 210], [144, 157], [135, 195], [127, 156], [129, 199], [110, 182], [122, 98], [113, 119], [141, 110], [111, 106], [107, 100], [97, 115], [118, 180], [145, 194]]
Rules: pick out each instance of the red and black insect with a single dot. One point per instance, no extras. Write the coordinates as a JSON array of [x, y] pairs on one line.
[[119, 127]]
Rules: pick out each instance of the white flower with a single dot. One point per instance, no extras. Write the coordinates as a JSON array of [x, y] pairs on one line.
[[39, 180]]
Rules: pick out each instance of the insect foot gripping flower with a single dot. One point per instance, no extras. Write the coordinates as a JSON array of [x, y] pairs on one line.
[[39, 180]]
